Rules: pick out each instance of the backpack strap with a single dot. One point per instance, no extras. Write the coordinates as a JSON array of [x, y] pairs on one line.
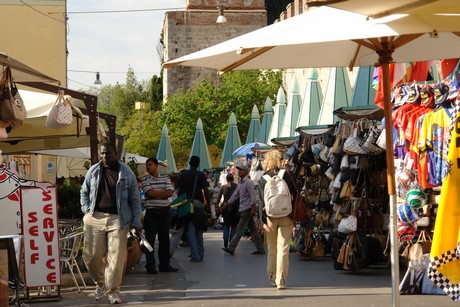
[[281, 173], [266, 177]]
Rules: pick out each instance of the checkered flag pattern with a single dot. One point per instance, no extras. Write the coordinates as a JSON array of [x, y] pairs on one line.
[[453, 291]]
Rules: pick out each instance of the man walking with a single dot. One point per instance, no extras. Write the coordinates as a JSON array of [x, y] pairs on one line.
[[109, 199], [157, 189], [246, 194], [194, 183]]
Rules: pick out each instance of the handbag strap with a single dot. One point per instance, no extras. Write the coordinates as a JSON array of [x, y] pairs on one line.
[[194, 186]]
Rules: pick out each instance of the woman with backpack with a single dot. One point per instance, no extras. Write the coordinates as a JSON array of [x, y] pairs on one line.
[[275, 190], [229, 212]]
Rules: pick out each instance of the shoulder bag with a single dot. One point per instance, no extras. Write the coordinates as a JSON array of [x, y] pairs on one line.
[[12, 108]]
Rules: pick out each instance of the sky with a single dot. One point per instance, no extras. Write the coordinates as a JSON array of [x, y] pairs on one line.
[[111, 42]]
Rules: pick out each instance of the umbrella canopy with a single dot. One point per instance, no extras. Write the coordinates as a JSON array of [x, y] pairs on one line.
[[429, 31], [266, 121], [292, 110], [22, 72], [363, 92], [311, 104], [278, 115], [200, 147], [337, 95], [164, 152], [232, 141], [254, 126], [247, 149]]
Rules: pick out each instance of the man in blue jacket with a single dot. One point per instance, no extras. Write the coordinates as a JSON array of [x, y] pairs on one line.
[[109, 199]]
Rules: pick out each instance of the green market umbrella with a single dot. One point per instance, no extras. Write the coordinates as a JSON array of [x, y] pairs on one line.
[[278, 115], [254, 126], [337, 95], [200, 147], [363, 92], [292, 110], [266, 121], [165, 153], [232, 142], [311, 104]]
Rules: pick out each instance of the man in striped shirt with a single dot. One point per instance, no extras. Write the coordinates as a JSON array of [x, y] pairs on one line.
[[157, 189]]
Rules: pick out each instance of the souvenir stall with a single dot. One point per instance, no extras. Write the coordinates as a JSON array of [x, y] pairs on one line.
[[423, 118], [33, 260], [341, 176]]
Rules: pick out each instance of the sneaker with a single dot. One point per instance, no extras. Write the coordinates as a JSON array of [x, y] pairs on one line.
[[99, 292], [114, 298], [281, 287], [228, 250], [258, 253]]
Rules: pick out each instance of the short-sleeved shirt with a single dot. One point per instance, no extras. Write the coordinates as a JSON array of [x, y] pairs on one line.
[[156, 183]]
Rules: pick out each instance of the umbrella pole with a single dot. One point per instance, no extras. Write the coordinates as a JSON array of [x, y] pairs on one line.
[[384, 60]]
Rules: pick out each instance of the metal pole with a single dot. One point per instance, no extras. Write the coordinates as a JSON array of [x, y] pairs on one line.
[[384, 59]]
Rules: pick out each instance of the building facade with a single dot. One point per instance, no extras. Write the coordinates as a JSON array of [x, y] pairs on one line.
[[195, 28]]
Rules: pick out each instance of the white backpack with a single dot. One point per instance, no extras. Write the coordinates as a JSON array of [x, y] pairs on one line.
[[277, 196]]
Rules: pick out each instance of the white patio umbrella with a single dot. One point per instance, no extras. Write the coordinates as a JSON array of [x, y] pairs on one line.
[[429, 31]]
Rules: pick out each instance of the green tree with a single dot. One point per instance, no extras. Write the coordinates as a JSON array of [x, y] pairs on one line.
[[236, 92]]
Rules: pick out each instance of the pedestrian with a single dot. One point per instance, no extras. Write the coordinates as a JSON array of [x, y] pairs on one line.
[[109, 199], [246, 195], [278, 230], [195, 184], [177, 224], [229, 212], [157, 189]]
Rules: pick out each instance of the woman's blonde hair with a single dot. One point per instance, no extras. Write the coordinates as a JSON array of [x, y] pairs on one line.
[[272, 160]]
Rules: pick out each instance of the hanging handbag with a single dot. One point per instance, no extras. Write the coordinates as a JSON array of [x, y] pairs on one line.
[[351, 145], [12, 108], [347, 190], [348, 224], [369, 142], [60, 114], [382, 140]]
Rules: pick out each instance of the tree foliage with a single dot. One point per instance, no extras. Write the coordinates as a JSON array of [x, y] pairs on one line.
[[235, 92]]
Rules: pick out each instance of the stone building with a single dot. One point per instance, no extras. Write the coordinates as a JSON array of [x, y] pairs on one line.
[[195, 28]]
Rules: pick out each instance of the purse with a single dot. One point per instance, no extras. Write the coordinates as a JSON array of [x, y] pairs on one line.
[[183, 205], [351, 145], [60, 114], [12, 108], [348, 224], [370, 141], [300, 208], [347, 190]]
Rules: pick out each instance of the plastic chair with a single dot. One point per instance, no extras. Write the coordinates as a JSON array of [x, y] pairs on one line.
[[70, 246]]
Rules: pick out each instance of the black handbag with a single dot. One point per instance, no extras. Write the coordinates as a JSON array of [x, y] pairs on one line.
[[12, 109]]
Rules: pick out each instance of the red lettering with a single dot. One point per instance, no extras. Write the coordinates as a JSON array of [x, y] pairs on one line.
[[51, 278], [34, 258], [50, 250], [46, 195], [50, 264], [49, 236], [33, 246], [48, 223], [32, 217], [33, 231], [48, 209]]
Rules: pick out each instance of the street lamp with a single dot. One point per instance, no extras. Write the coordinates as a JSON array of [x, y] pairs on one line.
[[140, 106]]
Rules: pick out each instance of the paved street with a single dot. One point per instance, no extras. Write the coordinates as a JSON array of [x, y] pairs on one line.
[[240, 280]]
